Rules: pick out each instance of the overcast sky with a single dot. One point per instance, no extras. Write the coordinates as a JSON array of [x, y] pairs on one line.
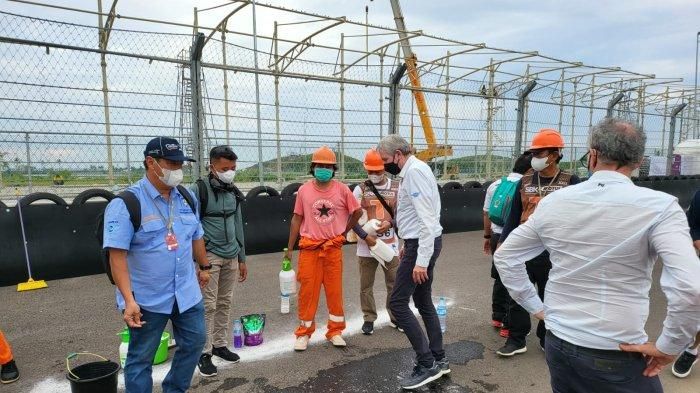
[[639, 35]]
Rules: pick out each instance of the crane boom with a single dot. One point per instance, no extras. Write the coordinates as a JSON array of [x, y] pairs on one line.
[[433, 150]]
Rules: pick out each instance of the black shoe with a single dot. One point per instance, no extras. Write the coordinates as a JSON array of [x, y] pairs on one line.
[[681, 367], [225, 354], [421, 376], [368, 328], [206, 367], [9, 373], [444, 365], [511, 349]]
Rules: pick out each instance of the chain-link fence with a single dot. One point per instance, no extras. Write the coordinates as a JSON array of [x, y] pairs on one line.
[[79, 103]]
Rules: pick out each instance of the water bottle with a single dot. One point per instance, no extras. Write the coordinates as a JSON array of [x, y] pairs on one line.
[[288, 279], [124, 346], [237, 334], [442, 314], [284, 307]]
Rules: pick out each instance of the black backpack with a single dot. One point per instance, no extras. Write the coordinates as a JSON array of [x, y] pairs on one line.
[[133, 206], [204, 199]]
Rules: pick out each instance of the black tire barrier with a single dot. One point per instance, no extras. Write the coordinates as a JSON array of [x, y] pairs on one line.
[[290, 190], [92, 193], [452, 185], [41, 196], [487, 184], [472, 184], [70, 248], [3, 205], [260, 190]]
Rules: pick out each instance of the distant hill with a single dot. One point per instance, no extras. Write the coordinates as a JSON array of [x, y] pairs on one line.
[[296, 166]]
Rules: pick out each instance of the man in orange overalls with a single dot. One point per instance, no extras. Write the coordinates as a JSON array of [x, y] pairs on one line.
[[9, 371], [324, 212]]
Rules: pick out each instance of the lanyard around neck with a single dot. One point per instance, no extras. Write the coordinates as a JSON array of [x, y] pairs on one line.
[[169, 222], [539, 187]]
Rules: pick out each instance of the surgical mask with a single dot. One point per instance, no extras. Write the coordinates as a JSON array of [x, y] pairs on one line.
[[171, 178], [539, 164], [376, 179], [323, 175], [227, 176]]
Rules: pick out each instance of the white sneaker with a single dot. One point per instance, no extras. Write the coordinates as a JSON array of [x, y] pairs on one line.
[[301, 343], [338, 341]]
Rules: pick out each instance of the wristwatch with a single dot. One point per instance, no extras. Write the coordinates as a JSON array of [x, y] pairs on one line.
[[207, 267]]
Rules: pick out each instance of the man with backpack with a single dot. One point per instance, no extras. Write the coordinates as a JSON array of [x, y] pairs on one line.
[[544, 178], [220, 214], [152, 235], [497, 203], [377, 197]]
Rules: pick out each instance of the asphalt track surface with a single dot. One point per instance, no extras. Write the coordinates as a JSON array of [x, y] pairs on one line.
[[78, 315]]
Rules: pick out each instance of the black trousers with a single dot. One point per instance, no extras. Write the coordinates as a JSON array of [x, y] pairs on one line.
[[575, 369], [518, 319], [500, 299], [430, 349]]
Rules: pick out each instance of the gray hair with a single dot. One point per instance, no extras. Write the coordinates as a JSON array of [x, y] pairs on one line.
[[392, 143], [618, 142]]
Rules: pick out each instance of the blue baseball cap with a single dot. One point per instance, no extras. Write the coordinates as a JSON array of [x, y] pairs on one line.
[[167, 148]]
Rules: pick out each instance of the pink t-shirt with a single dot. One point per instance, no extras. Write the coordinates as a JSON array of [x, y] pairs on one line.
[[325, 212]]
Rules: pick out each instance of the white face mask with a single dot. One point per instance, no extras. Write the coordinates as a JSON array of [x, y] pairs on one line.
[[376, 179], [171, 178], [539, 164], [226, 177]]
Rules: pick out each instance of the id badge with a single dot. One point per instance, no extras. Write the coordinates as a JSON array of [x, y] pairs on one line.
[[171, 241]]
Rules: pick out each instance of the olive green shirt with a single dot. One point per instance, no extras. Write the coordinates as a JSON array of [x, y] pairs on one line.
[[222, 223]]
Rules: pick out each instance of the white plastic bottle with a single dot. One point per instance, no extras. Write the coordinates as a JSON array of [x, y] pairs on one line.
[[123, 347], [284, 306], [288, 284], [442, 314]]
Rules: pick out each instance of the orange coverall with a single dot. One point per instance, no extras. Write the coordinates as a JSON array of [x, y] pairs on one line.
[[5, 350], [320, 262]]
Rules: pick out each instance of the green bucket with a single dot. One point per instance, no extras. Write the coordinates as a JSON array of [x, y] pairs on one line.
[[161, 353]]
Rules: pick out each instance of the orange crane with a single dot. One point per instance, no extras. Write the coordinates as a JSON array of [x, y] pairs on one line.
[[433, 150]]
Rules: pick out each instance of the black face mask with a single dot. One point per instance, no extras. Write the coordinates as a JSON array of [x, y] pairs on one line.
[[392, 167]]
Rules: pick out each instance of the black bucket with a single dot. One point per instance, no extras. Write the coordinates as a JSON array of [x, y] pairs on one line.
[[94, 377]]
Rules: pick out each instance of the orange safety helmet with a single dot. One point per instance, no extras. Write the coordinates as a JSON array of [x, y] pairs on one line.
[[323, 155], [373, 161], [547, 138]]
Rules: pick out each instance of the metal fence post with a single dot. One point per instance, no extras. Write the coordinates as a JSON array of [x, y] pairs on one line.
[[394, 96], [573, 127], [561, 102], [381, 95], [261, 176], [128, 159], [342, 106], [663, 129], [103, 40], [671, 135], [29, 161], [612, 103], [489, 119], [590, 108], [223, 59], [447, 112], [520, 120], [197, 109], [277, 106]]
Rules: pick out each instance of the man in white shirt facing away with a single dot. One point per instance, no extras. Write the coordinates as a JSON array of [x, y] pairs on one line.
[[604, 236], [418, 223]]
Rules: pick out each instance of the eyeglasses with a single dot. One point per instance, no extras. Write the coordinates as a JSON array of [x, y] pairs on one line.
[[583, 161]]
